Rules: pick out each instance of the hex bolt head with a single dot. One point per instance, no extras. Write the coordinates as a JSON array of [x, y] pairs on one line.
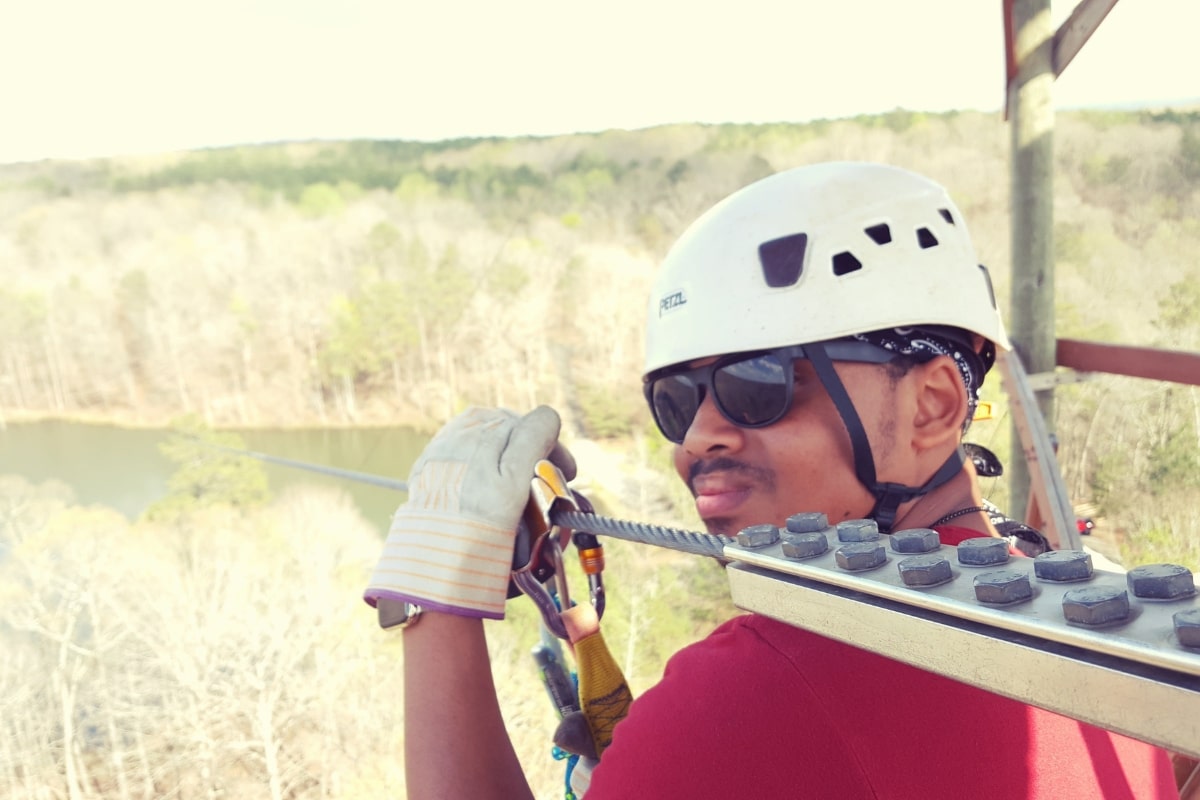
[[915, 540], [926, 570], [1187, 627], [807, 522], [1002, 587], [790, 536], [1161, 581], [860, 555], [984, 551], [758, 536], [805, 545], [857, 530], [1063, 565], [1096, 605]]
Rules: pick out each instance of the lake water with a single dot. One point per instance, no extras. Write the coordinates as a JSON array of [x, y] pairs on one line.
[[122, 467]]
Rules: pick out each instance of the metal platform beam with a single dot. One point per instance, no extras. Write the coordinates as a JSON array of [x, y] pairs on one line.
[[1047, 488], [1073, 34], [1132, 676]]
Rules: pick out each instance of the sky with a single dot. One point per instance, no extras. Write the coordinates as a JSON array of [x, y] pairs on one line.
[[89, 78]]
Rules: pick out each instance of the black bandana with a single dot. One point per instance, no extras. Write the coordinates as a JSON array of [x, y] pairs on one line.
[[924, 346]]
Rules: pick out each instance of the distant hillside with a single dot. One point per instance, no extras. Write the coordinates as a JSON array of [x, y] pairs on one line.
[[389, 281]]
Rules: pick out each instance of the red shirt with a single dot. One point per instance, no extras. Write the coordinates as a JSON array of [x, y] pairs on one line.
[[762, 709]]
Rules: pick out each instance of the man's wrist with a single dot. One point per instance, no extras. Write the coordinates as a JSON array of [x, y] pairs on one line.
[[397, 615]]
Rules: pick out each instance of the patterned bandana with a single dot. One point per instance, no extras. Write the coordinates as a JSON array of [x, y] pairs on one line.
[[923, 346]]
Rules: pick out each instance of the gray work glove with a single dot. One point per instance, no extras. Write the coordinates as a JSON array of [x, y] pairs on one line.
[[450, 546]]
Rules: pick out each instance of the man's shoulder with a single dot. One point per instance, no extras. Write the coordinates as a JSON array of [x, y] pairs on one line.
[[748, 644], [756, 638], [756, 631]]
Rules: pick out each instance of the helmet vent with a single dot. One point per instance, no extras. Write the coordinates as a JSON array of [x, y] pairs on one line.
[[844, 263], [926, 239], [946, 215], [783, 259], [880, 234]]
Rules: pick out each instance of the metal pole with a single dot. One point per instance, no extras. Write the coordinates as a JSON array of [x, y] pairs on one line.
[[1032, 131]]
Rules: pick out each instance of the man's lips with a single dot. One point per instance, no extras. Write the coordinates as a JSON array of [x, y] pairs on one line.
[[720, 504], [723, 484], [716, 497]]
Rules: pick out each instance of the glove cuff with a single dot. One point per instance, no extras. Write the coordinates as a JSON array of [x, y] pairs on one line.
[[447, 561], [373, 595]]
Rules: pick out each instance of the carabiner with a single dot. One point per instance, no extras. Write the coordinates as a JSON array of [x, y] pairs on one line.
[[542, 549], [591, 558]]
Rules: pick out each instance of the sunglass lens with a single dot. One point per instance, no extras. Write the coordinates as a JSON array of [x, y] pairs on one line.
[[675, 399], [753, 392]]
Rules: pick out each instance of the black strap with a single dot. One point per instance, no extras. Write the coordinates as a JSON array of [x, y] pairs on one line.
[[864, 461], [888, 496]]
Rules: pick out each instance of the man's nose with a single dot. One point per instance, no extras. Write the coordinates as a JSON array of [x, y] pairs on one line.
[[710, 430]]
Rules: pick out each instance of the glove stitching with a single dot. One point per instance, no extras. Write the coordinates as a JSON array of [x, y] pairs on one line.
[[502, 564], [415, 515], [422, 578]]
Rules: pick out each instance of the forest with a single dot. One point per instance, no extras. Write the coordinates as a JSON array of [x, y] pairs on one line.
[[218, 646]]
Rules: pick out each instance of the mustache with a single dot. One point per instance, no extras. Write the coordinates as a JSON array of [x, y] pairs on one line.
[[763, 477]]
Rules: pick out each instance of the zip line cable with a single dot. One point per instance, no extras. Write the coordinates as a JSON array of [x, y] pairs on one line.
[[695, 542], [348, 474]]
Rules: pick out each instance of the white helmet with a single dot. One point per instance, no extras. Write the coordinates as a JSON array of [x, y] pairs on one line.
[[816, 253]]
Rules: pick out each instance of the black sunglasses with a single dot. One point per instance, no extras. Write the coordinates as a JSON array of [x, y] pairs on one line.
[[751, 390]]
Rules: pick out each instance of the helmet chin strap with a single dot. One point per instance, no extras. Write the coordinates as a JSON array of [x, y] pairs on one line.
[[888, 496]]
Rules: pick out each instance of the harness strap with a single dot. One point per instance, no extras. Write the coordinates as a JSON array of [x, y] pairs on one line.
[[888, 496]]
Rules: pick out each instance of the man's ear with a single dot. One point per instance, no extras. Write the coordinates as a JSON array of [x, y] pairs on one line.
[[941, 403]]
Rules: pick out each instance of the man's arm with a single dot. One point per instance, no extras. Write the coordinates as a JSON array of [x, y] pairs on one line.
[[450, 550], [455, 743]]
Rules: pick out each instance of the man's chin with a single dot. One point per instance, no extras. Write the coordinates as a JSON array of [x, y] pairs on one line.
[[731, 525], [722, 526]]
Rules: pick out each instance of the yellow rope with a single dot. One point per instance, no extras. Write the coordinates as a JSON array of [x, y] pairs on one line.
[[604, 694]]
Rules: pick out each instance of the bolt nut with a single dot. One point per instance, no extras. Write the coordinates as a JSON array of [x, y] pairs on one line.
[[788, 536], [805, 545], [1187, 627], [927, 570], [1063, 565], [1002, 587], [860, 555], [1161, 581], [758, 536], [807, 522], [857, 530], [984, 551], [1096, 605], [915, 540]]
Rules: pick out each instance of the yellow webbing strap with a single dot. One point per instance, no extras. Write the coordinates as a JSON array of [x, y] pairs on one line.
[[604, 693]]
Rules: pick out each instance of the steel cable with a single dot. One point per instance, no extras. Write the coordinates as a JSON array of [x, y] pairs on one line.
[[704, 544]]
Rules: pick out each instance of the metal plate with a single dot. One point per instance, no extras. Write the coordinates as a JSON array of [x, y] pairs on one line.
[[1132, 677]]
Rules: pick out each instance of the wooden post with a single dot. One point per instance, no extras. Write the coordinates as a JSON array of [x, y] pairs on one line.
[[1031, 111]]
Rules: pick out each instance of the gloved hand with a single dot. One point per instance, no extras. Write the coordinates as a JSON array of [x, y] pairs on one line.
[[450, 546]]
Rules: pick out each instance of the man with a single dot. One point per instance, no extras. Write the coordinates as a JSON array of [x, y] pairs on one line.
[[815, 342]]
